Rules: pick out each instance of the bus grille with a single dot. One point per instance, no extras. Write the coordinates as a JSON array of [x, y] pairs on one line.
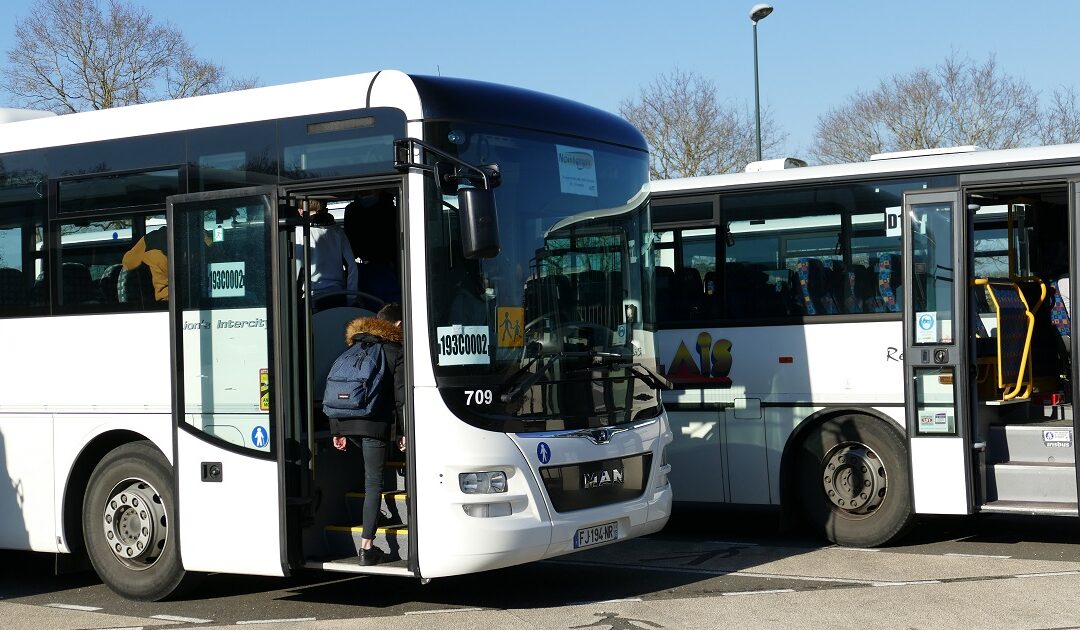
[[592, 484]]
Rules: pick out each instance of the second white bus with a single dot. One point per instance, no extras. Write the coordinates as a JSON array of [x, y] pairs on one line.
[[862, 343]]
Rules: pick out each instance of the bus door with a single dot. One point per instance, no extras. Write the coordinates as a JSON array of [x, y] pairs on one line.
[[935, 308], [225, 306]]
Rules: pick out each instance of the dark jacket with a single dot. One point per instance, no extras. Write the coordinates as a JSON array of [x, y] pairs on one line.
[[372, 330]]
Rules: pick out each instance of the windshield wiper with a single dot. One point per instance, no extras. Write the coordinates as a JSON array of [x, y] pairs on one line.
[[545, 361], [609, 360], [640, 371]]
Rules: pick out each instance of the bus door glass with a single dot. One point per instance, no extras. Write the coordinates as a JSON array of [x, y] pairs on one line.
[[226, 405], [934, 295]]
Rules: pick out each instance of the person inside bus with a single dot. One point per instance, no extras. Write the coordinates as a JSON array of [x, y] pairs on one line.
[[332, 265], [375, 431], [152, 250], [371, 225]]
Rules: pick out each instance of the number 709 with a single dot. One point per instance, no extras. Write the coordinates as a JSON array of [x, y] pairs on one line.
[[477, 396]]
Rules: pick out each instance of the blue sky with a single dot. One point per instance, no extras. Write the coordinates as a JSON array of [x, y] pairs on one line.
[[813, 53]]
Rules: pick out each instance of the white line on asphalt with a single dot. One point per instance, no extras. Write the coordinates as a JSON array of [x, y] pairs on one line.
[[607, 601], [180, 619], [911, 583], [718, 572], [255, 621], [769, 592], [74, 607], [976, 555], [441, 611], [1050, 574], [839, 548]]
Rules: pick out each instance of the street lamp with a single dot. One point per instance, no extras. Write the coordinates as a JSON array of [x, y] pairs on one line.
[[758, 12]]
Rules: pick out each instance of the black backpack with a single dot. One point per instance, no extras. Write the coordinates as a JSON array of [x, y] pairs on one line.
[[354, 387]]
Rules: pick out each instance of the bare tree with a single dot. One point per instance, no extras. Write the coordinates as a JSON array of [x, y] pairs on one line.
[[71, 56], [957, 103], [1060, 120], [692, 132]]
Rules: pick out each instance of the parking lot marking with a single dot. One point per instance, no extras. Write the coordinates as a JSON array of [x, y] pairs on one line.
[[74, 607], [441, 611], [180, 619], [261, 621]]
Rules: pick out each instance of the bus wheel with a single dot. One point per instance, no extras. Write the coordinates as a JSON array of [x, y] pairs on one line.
[[854, 481], [127, 516]]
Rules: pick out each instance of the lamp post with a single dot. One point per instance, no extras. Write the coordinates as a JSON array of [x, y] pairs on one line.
[[758, 12]]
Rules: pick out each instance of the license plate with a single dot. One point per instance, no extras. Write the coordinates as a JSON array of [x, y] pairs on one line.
[[588, 536]]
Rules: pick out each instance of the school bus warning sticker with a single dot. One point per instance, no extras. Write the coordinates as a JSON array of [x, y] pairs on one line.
[[264, 389], [511, 326]]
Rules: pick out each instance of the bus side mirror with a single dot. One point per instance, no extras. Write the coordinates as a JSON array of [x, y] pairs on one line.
[[479, 222]]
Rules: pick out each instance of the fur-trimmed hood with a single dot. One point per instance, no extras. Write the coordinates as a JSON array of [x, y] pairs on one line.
[[384, 330]]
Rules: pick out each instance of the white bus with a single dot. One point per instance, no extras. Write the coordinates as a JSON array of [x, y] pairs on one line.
[[167, 422], [862, 343]]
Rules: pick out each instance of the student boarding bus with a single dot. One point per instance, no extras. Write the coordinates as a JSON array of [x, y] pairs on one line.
[[161, 412], [862, 343]]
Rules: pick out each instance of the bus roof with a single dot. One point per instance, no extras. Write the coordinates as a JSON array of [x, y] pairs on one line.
[[392, 88], [998, 159]]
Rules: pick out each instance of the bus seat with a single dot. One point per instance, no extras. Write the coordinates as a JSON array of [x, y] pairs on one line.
[[691, 292], [802, 272], [77, 284], [1015, 324], [859, 289], [712, 294], [888, 276], [135, 286], [328, 332], [813, 288], [13, 291], [1059, 317], [107, 284], [665, 293]]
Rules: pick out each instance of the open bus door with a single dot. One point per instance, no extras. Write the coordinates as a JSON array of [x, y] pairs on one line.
[[936, 379], [225, 274]]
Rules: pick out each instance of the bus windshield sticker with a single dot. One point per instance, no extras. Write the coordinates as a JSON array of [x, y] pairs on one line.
[[259, 436], [227, 279], [892, 221], [511, 324], [543, 452], [463, 345], [577, 170], [264, 389]]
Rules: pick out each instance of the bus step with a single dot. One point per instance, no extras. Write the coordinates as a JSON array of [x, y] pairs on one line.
[[1043, 508], [1044, 443], [394, 507], [344, 540], [1031, 482]]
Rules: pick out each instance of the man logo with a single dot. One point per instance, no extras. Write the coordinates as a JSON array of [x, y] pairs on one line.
[[602, 478]]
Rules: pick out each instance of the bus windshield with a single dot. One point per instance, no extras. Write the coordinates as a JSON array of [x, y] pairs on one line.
[[549, 334]]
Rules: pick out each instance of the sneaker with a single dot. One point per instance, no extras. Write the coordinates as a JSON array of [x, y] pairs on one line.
[[372, 556]]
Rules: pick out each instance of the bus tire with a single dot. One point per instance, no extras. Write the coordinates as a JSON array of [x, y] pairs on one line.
[[854, 481], [127, 517]]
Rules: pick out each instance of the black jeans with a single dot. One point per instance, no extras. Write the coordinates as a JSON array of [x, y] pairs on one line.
[[374, 451]]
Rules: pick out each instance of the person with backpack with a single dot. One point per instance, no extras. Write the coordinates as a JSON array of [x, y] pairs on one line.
[[364, 398]]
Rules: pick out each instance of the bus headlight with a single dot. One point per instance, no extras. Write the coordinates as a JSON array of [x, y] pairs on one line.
[[482, 482]]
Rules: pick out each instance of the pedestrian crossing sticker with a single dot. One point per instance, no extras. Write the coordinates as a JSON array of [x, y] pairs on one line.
[[511, 326]]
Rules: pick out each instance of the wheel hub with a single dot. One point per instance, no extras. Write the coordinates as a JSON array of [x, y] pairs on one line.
[[854, 478], [134, 523]]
